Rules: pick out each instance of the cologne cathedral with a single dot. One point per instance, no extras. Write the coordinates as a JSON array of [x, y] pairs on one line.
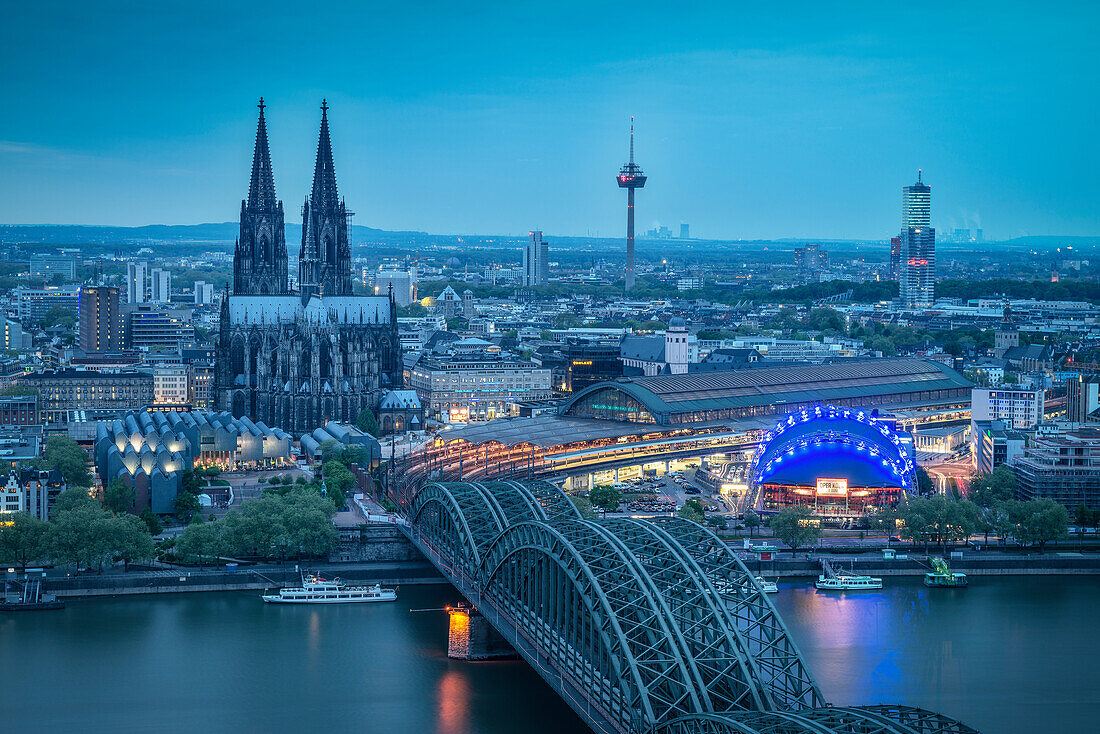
[[296, 359]]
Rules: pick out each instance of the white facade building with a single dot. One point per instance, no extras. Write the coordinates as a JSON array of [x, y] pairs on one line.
[[161, 286], [170, 385], [1019, 409], [137, 273]]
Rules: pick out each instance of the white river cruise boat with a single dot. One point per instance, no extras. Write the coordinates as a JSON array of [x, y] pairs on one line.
[[845, 582], [316, 590], [768, 587]]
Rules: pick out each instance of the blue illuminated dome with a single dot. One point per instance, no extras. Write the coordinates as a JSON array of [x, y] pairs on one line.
[[832, 442]]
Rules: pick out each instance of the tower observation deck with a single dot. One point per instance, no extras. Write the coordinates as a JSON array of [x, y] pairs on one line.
[[630, 177]]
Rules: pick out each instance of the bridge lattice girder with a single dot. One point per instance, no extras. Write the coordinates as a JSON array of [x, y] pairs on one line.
[[658, 623], [828, 720]]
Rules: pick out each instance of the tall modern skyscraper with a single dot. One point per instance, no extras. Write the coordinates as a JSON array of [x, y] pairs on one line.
[[536, 266], [137, 273], [100, 319], [917, 266], [630, 177]]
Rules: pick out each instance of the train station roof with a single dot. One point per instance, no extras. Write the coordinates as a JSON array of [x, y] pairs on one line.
[[888, 383], [545, 430]]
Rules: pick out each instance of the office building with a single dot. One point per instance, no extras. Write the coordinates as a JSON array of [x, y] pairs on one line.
[[200, 385], [993, 443], [476, 386], [160, 286], [149, 327], [403, 283], [684, 231], [811, 262], [536, 267], [98, 395], [51, 266], [1082, 397], [34, 303], [100, 318], [15, 338], [689, 283], [170, 385], [18, 410], [917, 262], [1021, 409], [1064, 468], [204, 293], [137, 273], [895, 258]]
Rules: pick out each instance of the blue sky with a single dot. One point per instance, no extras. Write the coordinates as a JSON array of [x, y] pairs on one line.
[[754, 119]]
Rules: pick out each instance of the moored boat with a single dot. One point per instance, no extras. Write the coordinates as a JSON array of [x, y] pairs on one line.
[[847, 582], [768, 587], [942, 577], [317, 590]]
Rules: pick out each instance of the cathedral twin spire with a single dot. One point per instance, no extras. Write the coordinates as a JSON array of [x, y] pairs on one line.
[[260, 257]]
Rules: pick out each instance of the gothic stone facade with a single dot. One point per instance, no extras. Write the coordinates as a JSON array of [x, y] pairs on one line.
[[296, 360]]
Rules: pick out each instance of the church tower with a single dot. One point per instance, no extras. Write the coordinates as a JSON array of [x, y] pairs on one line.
[[324, 264], [259, 260]]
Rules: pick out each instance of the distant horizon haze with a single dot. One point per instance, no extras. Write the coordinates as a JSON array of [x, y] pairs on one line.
[[752, 123]]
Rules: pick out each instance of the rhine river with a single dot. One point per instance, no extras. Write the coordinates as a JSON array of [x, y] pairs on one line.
[[1006, 655]]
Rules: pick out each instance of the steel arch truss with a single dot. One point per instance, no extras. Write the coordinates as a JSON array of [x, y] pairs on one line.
[[657, 624], [828, 720], [775, 658]]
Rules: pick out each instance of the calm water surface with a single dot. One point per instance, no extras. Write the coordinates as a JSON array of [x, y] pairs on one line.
[[1006, 655]]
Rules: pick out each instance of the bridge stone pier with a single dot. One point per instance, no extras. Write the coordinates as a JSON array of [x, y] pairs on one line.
[[642, 627]]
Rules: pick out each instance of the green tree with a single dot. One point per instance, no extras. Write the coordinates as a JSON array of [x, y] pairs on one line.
[[752, 521], [58, 316], [119, 496], [152, 522], [1084, 517], [825, 319], [1038, 522], [65, 454], [190, 482], [80, 536], [366, 422], [22, 536], [938, 519], [796, 527], [73, 497], [925, 486], [354, 454], [693, 511], [567, 321], [130, 539], [583, 506], [274, 526], [988, 488], [199, 541], [330, 450], [186, 505], [604, 497]]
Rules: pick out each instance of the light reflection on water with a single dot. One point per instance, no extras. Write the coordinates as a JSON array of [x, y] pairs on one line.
[[1005, 655]]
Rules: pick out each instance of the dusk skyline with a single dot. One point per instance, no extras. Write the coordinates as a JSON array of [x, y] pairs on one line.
[[751, 123]]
